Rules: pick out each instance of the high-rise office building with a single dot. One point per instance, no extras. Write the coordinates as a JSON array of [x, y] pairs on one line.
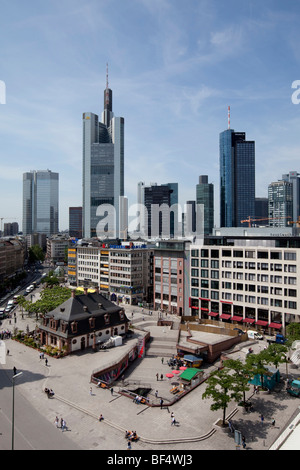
[[293, 177], [205, 196], [280, 195], [237, 178], [159, 219], [40, 202], [75, 222], [103, 171]]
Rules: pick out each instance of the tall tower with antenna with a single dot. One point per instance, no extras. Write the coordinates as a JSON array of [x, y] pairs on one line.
[[237, 177], [103, 168]]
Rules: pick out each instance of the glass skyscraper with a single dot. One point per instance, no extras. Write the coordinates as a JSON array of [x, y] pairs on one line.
[[40, 202], [205, 196], [237, 178], [103, 170]]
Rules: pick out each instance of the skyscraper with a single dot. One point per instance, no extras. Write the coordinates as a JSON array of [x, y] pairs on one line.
[[75, 222], [103, 170], [205, 196], [237, 178], [293, 177], [280, 206], [40, 202], [159, 220]]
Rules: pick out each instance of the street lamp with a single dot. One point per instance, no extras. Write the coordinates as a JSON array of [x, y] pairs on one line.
[[13, 410]]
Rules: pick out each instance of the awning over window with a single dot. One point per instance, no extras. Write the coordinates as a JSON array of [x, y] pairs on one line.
[[249, 320], [225, 316], [275, 325], [237, 318], [261, 322], [213, 314]]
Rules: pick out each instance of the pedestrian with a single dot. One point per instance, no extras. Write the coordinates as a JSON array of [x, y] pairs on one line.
[[243, 442], [112, 391], [7, 352], [161, 377], [91, 391], [101, 418], [173, 421], [262, 418], [161, 403], [56, 422], [157, 376], [156, 393], [129, 445], [15, 370], [162, 360], [46, 361], [273, 422], [63, 425]]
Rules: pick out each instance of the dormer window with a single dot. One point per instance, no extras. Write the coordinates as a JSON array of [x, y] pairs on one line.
[[92, 322], [74, 325], [121, 314], [106, 319]]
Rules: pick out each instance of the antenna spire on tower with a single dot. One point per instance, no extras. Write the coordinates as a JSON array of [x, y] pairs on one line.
[[107, 75], [228, 117]]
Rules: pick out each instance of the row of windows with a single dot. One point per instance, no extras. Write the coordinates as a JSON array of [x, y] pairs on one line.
[[262, 254]]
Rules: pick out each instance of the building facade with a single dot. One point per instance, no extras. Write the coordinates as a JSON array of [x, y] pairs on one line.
[[205, 196], [75, 222], [280, 203], [103, 171], [252, 281], [157, 220], [123, 273], [40, 202], [82, 322], [171, 276], [237, 178]]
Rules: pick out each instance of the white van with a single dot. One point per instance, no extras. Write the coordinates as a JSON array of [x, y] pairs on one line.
[[254, 335]]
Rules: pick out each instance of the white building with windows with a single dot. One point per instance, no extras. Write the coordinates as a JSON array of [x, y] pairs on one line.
[[251, 281]]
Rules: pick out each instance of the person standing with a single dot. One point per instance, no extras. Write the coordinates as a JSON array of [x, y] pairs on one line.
[[56, 422]]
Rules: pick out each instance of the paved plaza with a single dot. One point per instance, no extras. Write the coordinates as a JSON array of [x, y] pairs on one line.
[[80, 403]]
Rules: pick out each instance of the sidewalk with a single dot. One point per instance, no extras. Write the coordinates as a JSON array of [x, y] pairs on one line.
[[70, 379]]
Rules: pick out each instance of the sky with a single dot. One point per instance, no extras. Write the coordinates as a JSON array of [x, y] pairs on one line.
[[174, 68]]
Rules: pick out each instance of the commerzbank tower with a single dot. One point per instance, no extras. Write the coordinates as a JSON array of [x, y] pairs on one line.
[[103, 171]]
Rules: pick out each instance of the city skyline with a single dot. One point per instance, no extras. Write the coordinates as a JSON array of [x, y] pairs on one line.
[[174, 70]]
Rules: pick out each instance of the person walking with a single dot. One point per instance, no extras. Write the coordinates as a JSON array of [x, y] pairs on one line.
[[56, 422], [63, 425], [161, 403], [262, 418], [157, 376], [112, 391]]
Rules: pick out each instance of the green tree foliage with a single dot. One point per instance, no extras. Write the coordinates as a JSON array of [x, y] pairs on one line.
[[35, 253], [50, 299], [222, 387]]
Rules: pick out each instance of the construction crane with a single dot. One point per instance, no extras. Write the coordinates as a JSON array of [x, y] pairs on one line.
[[250, 219], [297, 222]]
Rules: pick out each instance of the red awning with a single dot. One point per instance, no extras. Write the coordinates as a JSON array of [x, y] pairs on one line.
[[261, 322], [237, 318], [213, 314], [225, 316], [249, 320], [275, 325]]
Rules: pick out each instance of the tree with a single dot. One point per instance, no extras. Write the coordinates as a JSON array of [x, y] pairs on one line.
[[35, 253], [241, 373], [222, 387]]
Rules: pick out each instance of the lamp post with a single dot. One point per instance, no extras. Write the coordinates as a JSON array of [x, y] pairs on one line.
[[13, 410]]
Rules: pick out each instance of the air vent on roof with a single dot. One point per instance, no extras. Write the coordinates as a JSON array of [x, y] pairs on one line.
[[85, 308]]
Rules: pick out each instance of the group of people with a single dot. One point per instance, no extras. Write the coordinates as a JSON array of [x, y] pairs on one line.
[[5, 334], [131, 435], [49, 392], [140, 399], [61, 423]]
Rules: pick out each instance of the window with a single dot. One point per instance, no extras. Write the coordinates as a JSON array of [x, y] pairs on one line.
[[288, 255], [195, 292], [195, 272]]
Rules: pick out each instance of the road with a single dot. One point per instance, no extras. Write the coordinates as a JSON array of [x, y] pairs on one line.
[[31, 431]]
